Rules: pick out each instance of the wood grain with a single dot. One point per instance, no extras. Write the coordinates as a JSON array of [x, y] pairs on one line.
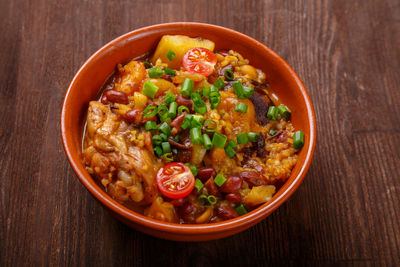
[[347, 211]]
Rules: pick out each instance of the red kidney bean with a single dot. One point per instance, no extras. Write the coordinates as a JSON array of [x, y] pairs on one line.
[[184, 102], [206, 173], [104, 100], [186, 208], [117, 96], [227, 212], [133, 116], [212, 188], [232, 185], [178, 202], [178, 121], [253, 178], [235, 198]]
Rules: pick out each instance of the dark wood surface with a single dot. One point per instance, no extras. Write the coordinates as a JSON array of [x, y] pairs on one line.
[[346, 212]]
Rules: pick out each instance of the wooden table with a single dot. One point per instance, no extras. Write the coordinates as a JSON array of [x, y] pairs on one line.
[[346, 212]]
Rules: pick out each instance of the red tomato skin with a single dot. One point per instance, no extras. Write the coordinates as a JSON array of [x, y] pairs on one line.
[[162, 176], [199, 60]]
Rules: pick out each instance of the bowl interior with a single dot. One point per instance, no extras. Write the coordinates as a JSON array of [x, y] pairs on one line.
[[88, 81]]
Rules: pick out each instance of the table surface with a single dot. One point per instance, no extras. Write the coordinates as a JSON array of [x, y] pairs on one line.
[[346, 212]]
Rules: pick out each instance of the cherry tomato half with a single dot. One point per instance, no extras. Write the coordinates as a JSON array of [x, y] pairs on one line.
[[199, 60], [175, 180]]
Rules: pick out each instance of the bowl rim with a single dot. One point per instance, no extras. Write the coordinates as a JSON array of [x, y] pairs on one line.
[[255, 215]]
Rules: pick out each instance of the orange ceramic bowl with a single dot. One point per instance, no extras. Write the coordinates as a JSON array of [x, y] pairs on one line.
[[86, 85]]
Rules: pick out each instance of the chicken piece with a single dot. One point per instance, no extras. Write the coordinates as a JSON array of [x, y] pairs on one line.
[[132, 75]]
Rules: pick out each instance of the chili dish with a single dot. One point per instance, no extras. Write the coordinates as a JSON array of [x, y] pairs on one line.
[[189, 135]]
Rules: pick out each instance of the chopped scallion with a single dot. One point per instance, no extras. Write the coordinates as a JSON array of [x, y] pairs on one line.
[[230, 151], [284, 111], [198, 184], [158, 151], [150, 126], [253, 137], [219, 140], [170, 55], [229, 76], [219, 84], [272, 132], [241, 107], [272, 113], [240, 209], [210, 126], [170, 71], [166, 147], [195, 135], [172, 110], [169, 98], [207, 142], [156, 140], [150, 89], [298, 139], [182, 109], [156, 72], [187, 87], [212, 199], [165, 128], [242, 138], [219, 179], [150, 111]]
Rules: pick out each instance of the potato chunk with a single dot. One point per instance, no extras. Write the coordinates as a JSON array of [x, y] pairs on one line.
[[258, 195], [179, 44]]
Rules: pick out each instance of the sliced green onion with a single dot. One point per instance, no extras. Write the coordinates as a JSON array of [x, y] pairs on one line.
[[241, 107], [187, 87], [215, 102], [219, 84], [196, 121], [170, 71], [169, 98], [230, 151], [186, 122], [158, 151], [156, 139], [150, 126], [177, 138], [166, 147], [165, 118], [165, 128], [241, 210], [150, 89], [229, 76], [232, 144], [207, 142], [162, 110], [248, 91], [242, 138], [298, 139], [272, 113], [214, 90], [253, 137], [272, 132], [195, 96], [195, 135], [239, 91], [164, 137], [219, 140], [200, 108], [205, 91], [219, 179], [198, 184], [212, 199], [170, 55], [156, 72], [193, 169], [210, 126], [150, 111], [284, 111], [168, 157], [172, 110], [182, 109], [204, 200], [147, 64]]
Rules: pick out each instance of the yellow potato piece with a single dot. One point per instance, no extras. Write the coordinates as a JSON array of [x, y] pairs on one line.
[[179, 44]]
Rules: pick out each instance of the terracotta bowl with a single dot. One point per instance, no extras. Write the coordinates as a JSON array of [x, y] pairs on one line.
[[91, 76]]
